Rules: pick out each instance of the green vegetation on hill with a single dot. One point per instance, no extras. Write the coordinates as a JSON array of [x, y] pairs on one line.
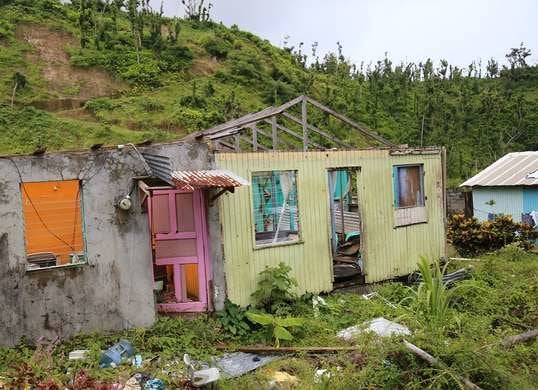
[[167, 77]]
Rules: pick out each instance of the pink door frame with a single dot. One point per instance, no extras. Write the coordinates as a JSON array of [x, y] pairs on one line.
[[202, 250]]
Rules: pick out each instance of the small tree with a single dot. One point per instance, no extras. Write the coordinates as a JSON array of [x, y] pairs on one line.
[[517, 56], [19, 82], [196, 10]]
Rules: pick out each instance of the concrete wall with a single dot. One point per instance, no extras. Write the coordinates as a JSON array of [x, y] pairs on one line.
[[115, 290]]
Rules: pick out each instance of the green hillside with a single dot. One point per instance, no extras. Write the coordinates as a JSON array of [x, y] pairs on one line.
[[96, 71]]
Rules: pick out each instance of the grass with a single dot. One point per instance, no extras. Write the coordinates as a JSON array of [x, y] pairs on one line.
[[500, 300]]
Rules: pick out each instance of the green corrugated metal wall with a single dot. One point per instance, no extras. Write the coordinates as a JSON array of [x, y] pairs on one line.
[[387, 251]]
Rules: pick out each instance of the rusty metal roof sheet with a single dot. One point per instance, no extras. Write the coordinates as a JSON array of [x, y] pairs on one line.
[[189, 180], [514, 169]]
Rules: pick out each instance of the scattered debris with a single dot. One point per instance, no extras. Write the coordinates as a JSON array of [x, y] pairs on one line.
[[116, 354], [375, 294], [137, 361], [287, 350], [238, 363], [154, 384], [449, 279], [381, 326], [201, 377], [520, 338], [282, 379], [318, 302], [322, 375], [436, 362], [78, 354]]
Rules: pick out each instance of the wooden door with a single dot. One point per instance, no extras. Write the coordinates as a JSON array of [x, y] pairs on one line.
[[179, 240]]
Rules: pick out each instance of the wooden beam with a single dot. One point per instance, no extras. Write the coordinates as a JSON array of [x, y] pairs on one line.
[[265, 134], [249, 141], [254, 138], [318, 131], [274, 132], [304, 123], [349, 122], [295, 134], [237, 144], [226, 144]]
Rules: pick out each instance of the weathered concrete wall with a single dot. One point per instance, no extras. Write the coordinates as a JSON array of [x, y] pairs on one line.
[[115, 290]]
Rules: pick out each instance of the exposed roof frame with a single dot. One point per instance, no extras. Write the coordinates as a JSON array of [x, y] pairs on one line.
[[230, 134]]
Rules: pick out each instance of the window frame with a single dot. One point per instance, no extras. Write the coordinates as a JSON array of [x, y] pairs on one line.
[[83, 253], [255, 244], [395, 184]]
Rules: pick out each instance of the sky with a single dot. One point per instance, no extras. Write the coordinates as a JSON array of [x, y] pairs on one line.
[[459, 31]]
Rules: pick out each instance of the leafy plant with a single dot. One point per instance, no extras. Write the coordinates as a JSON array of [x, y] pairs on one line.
[[471, 237], [431, 301], [274, 288], [234, 320], [277, 327]]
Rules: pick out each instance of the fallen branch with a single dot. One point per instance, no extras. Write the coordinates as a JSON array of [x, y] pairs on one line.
[[263, 350], [436, 362], [520, 338]]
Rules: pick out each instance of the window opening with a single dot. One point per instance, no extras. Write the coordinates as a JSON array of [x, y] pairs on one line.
[[275, 207], [53, 223], [345, 225], [408, 186]]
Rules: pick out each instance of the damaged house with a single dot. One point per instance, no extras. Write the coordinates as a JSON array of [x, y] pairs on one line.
[[102, 239]]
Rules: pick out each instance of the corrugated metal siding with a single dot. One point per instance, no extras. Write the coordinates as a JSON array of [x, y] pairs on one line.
[[388, 251], [530, 199], [507, 200]]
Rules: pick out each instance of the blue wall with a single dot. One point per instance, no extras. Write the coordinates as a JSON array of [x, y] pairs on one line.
[[507, 200], [530, 199]]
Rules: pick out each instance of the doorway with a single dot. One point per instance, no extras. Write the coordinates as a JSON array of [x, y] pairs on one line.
[[180, 250], [346, 225]]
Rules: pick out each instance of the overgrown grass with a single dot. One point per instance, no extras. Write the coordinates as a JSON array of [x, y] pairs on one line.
[[500, 300]]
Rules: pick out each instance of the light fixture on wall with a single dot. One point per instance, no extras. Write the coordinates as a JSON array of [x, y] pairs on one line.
[[125, 203]]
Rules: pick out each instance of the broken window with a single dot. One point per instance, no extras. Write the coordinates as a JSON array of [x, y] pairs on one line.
[[408, 186], [53, 223], [409, 198], [274, 196]]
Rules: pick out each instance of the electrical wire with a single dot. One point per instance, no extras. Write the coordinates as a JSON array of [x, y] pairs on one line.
[[35, 209]]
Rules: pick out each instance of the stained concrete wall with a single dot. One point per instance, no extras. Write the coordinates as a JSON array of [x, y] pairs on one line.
[[115, 290]]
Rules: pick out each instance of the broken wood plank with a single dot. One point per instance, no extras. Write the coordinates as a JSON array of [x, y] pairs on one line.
[[520, 338], [436, 362], [274, 350], [274, 135], [254, 138]]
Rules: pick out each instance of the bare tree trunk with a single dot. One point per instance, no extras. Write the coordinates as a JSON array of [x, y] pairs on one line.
[[13, 94], [520, 338]]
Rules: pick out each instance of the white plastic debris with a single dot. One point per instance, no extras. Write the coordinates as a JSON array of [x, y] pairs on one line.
[[322, 375], [317, 301], [238, 363], [78, 354], [380, 326], [202, 377]]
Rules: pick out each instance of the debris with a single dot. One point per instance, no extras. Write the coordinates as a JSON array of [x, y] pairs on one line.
[[449, 279], [135, 382], [318, 301], [116, 354], [322, 375], [238, 363], [381, 326], [78, 354], [137, 361], [201, 377], [435, 362], [375, 294], [281, 378], [520, 338], [286, 350], [154, 384]]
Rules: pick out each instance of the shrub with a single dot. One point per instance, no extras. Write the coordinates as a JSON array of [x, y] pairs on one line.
[[276, 327], [146, 73], [217, 47], [175, 58], [471, 237], [234, 320], [274, 288]]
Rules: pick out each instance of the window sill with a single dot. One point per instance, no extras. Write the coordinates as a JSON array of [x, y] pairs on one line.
[[410, 216], [63, 266], [277, 244]]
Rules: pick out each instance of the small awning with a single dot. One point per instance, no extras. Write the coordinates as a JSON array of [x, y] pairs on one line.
[[220, 178]]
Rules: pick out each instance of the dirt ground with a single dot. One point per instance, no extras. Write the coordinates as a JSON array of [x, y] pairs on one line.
[[64, 80]]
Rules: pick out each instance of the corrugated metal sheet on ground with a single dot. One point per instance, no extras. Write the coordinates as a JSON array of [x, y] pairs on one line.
[[390, 251], [514, 169]]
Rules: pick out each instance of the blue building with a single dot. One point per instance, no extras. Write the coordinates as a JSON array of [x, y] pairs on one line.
[[509, 186]]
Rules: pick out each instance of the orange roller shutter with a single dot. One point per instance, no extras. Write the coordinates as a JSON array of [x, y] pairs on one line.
[[58, 227]]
